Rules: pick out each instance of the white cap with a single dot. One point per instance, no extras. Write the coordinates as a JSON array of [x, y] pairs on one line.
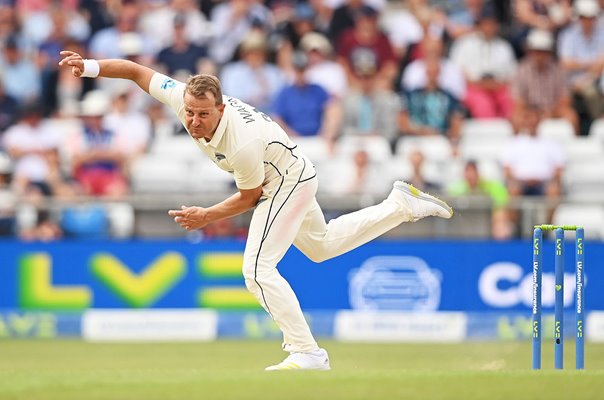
[[315, 41], [539, 39], [130, 44], [587, 8], [96, 103]]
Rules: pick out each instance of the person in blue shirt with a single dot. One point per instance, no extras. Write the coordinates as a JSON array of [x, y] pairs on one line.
[[304, 108], [431, 110]]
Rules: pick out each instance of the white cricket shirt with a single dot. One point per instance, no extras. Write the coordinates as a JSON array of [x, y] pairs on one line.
[[247, 143]]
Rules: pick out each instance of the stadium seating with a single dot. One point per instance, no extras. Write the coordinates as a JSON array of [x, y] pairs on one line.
[[434, 148], [559, 130], [590, 216]]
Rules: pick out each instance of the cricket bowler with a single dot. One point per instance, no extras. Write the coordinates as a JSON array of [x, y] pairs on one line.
[[274, 178]]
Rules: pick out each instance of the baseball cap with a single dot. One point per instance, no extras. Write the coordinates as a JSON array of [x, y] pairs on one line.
[[315, 41], [539, 39], [587, 8], [487, 12], [96, 103], [130, 44], [254, 41]]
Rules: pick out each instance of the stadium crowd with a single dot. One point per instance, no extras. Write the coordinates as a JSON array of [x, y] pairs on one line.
[[369, 88]]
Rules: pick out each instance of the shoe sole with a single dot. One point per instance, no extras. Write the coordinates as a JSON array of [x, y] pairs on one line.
[[415, 192], [297, 369]]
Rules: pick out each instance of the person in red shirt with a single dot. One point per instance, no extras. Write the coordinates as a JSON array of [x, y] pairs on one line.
[[365, 40]]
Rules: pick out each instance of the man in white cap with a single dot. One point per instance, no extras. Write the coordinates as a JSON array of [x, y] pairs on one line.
[[274, 178], [540, 81], [581, 52]]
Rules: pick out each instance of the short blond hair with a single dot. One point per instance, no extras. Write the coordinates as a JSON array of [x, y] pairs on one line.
[[199, 85]]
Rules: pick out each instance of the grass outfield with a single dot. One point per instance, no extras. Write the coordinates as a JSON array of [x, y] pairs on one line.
[[71, 369]]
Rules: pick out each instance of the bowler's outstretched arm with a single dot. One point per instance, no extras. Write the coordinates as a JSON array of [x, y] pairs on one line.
[[111, 68]]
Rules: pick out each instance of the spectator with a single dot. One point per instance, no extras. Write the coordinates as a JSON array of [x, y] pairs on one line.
[[34, 150], [548, 15], [540, 81], [473, 184], [366, 40], [131, 127], [417, 177], [488, 63], [533, 164], [404, 29], [46, 229], [581, 52], [370, 109], [431, 110], [462, 21], [232, 21], [195, 28], [450, 79], [181, 54], [98, 160], [253, 79], [38, 25], [8, 110], [322, 70], [301, 23], [305, 109], [343, 18], [8, 199], [103, 43], [20, 77], [68, 90]]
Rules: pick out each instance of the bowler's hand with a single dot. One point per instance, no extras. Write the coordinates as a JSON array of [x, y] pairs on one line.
[[190, 218], [73, 60]]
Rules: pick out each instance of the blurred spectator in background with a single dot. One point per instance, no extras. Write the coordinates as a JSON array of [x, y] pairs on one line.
[[97, 156], [473, 184], [67, 91], [450, 78], [133, 128], [306, 109], [417, 177], [291, 32], [9, 24], [488, 63], [104, 43], [39, 24], [181, 54], [431, 110], [20, 77], [403, 29], [343, 18], [195, 28], [253, 79], [533, 164], [8, 110], [366, 40], [48, 58], [462, 21], [581, 52], [8, 198], [45, 229], [370, 109], [34, 150], [322, 70], [548, 15], [540, 81], [232, 21]]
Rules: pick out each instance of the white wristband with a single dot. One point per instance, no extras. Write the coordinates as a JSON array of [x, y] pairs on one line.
[[91, 69]]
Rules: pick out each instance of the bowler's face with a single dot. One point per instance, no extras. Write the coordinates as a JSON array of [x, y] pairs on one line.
[[202, 115]]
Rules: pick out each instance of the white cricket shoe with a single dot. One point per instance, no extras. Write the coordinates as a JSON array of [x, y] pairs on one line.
[[422, 204], [317, 360]]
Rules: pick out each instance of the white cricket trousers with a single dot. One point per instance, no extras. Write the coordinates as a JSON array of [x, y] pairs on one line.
[[291, 215]]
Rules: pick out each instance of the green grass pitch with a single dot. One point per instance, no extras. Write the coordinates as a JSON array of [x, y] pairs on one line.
[[72, 369]]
